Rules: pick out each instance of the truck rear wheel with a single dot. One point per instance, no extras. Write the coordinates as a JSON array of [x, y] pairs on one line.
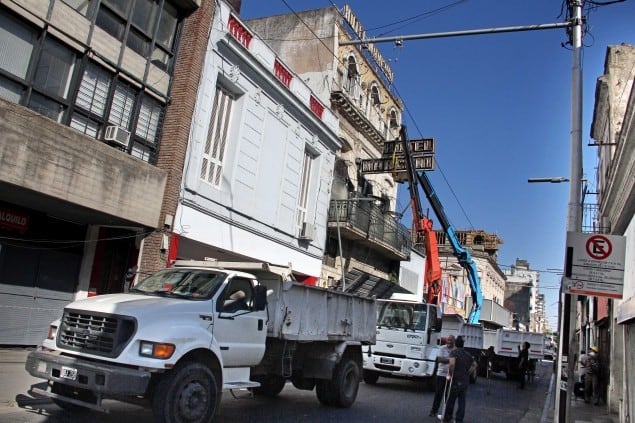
[[370, 377], [341, 390], [270, 385], [189, 393]]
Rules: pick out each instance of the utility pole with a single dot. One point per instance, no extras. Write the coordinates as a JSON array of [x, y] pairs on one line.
[[568, 343]]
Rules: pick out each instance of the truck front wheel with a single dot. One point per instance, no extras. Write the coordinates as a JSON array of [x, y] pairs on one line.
[[341, 391], [189, 393]]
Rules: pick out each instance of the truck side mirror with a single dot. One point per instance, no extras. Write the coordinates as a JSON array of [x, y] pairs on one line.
[[260, 297]]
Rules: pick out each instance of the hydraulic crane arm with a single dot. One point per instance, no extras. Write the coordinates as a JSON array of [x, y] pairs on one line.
[[463, 255]]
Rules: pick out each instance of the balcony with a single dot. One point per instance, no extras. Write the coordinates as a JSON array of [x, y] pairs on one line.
[[366, 223], [352, 104]]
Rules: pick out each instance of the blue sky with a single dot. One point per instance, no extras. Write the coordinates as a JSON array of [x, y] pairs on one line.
[[498, 107]]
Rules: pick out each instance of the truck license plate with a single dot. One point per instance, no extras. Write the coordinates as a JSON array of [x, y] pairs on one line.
[[384, 360], [68, 373]]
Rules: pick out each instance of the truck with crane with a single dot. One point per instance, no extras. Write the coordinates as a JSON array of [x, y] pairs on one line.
[[183, 335], [411, 329]]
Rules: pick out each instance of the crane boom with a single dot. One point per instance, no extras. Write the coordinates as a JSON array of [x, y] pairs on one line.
[[462, 254]]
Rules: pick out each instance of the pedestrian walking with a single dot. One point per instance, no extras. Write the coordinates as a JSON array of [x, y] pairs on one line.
[[523, 363], [461, 366], [442, 364]]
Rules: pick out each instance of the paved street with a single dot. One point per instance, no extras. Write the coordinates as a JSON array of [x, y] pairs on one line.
[[389, 400]]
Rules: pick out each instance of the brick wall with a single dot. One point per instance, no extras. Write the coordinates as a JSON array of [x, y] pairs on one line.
[[177, 122]]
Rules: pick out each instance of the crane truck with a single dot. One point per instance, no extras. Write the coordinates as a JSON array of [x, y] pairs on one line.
[[410, 330], [185, 334]]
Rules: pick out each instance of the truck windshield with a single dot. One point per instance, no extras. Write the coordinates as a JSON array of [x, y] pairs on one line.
[[192, 284], [402, 316]]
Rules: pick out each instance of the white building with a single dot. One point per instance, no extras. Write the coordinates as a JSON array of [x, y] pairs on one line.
[[259, 165]]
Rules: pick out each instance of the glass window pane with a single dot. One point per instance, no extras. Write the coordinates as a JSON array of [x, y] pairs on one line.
[[167, 26], [93, 90], [46, 107], [121, 6], [138, 42], [84, 125], [144, 15], [110, 23], [16, 46], [160, 58], [149, 117], [122, 105], [10, 91], [54, 69]]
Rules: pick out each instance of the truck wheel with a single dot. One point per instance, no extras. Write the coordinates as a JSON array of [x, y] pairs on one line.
[[270, 385], [69, 391], [341, 391], [370, 377], [189, 393]]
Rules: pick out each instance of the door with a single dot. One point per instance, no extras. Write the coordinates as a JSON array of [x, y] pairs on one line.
[[240, 331]]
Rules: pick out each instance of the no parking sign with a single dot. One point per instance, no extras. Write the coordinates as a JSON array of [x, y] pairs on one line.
[[595, 264]]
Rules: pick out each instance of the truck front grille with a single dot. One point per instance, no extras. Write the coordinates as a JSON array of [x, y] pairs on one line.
[[95, 333]]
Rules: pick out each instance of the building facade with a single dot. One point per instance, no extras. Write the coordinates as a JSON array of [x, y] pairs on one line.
[[365, 243], [521, 296], [84, 88], [260, 158], [608, 323]]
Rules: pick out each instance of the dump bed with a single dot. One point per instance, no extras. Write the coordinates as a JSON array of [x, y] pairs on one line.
[[301, 312], [455, 325], [509, 340]]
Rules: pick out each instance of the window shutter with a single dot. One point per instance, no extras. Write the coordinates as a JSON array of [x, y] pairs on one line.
[[122, 105], [93, 90]]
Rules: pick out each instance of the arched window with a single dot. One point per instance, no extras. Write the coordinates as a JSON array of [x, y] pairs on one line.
[[374, 95], [393, 119]]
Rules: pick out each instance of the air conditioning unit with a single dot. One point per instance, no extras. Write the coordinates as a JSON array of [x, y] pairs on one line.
[[307, 232], [117, 135]]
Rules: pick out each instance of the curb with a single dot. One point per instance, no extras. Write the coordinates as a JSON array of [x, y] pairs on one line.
[[545, 408]]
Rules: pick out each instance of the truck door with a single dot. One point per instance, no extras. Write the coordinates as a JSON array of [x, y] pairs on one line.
[[239, 330]]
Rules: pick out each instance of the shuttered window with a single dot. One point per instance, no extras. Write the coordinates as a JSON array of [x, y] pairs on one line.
[[214, 152], [149, 118], [93, 90], [122, 105], [303, 195]]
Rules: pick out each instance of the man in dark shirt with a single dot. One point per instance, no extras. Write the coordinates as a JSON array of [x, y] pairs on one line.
[[523, 363], [462, 365]]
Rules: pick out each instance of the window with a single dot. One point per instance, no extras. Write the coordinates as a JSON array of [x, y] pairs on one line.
[[93, 90], [303, 195], [393, 121], [80, 5], [149, 118], [122, 104], [146, 26], [16, 46], [217, 135], [374, 95]]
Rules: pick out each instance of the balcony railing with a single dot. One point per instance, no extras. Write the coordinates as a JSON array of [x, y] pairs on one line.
[[366, 222]]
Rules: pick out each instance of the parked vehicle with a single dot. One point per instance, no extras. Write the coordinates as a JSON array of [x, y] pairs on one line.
[[185, 334], [410, 333]]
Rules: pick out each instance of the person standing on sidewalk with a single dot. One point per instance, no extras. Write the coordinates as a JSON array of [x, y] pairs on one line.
[[462, 365], [591, 388], [443, 363]]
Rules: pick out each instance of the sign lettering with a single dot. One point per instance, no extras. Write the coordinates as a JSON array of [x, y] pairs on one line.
[[422, 146], [397, 164]]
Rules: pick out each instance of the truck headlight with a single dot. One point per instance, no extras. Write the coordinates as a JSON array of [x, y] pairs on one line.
[[52, 331], [156, 350]]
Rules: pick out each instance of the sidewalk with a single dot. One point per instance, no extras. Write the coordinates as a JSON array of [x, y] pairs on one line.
[[580, 411]]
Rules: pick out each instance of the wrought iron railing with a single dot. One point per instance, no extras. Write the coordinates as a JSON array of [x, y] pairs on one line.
[[372, 222]]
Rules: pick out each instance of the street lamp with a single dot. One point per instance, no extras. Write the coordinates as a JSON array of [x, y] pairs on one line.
[[555, 180]]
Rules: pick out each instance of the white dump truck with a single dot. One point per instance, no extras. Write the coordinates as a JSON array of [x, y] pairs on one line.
[[183, 335], [410, 333]]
